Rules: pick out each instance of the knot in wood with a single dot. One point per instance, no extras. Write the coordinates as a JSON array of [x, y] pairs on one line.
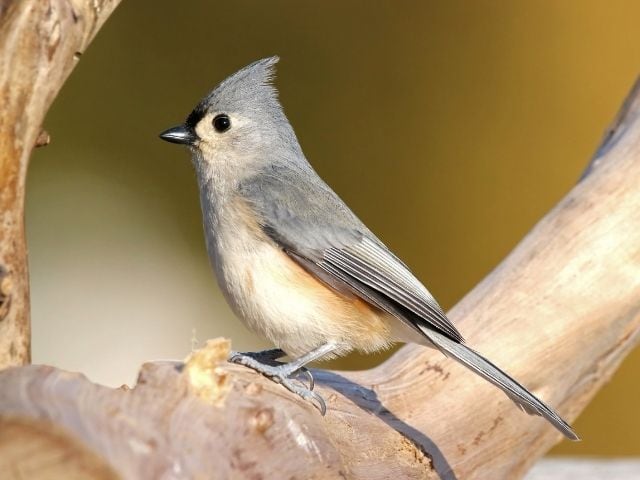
[[6, 286], [43, 139], [262, 420]]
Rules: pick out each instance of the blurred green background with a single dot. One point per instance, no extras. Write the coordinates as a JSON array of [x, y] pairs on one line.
[[449, 127]]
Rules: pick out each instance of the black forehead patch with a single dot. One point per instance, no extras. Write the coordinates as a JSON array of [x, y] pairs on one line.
[[194, 117]]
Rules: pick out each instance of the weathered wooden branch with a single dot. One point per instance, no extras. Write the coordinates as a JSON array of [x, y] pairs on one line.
[[559, 313], [40, 43]]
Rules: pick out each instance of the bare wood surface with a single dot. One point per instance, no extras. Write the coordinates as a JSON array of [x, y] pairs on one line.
[[200, 419], [40, 43]]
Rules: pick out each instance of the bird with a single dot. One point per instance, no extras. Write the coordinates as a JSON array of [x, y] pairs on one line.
[[295, 264]]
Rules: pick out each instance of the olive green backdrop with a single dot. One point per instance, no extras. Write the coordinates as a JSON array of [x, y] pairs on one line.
[[449, 127]]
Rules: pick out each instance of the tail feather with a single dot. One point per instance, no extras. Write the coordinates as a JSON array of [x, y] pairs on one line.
[[487, 370]]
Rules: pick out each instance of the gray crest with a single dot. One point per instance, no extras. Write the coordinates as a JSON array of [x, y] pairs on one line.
[[249, 91]]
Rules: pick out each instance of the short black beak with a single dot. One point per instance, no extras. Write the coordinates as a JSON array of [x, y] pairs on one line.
[[181, 135]]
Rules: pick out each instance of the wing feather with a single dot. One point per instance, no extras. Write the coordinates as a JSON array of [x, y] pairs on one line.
[[392, 279]]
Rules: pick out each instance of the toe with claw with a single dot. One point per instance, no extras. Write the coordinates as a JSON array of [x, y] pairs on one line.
[[281, 373]]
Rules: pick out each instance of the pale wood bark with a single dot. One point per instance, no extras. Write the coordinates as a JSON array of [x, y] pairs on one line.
[[40, 43], [559, 313]]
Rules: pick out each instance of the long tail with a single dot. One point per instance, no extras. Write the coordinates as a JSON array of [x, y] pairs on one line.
[[487, 370]]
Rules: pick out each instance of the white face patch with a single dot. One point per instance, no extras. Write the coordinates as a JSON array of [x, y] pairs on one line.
[[227, 148], [219, 140]]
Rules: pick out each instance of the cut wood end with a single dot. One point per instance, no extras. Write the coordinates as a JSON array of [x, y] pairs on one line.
[[39, 450], [207, 379]]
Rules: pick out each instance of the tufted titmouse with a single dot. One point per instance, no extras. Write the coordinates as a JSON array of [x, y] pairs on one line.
[[297, 266]]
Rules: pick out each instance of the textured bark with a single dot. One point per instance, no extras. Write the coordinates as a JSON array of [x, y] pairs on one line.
[[559, 313], [40, 43]]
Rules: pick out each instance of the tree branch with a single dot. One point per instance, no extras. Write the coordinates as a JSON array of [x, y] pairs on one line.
[[40, 43]]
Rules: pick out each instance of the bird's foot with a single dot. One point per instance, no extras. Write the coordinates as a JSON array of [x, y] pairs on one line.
[[270, 358], [265, 363]]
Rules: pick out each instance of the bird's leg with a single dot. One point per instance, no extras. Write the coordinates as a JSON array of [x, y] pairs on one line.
[[282, 372], [270, 357]]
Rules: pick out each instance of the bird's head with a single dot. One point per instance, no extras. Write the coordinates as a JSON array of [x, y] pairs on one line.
[[240, 122]]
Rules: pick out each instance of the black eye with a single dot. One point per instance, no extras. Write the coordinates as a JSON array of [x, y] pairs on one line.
[[221, 123]]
